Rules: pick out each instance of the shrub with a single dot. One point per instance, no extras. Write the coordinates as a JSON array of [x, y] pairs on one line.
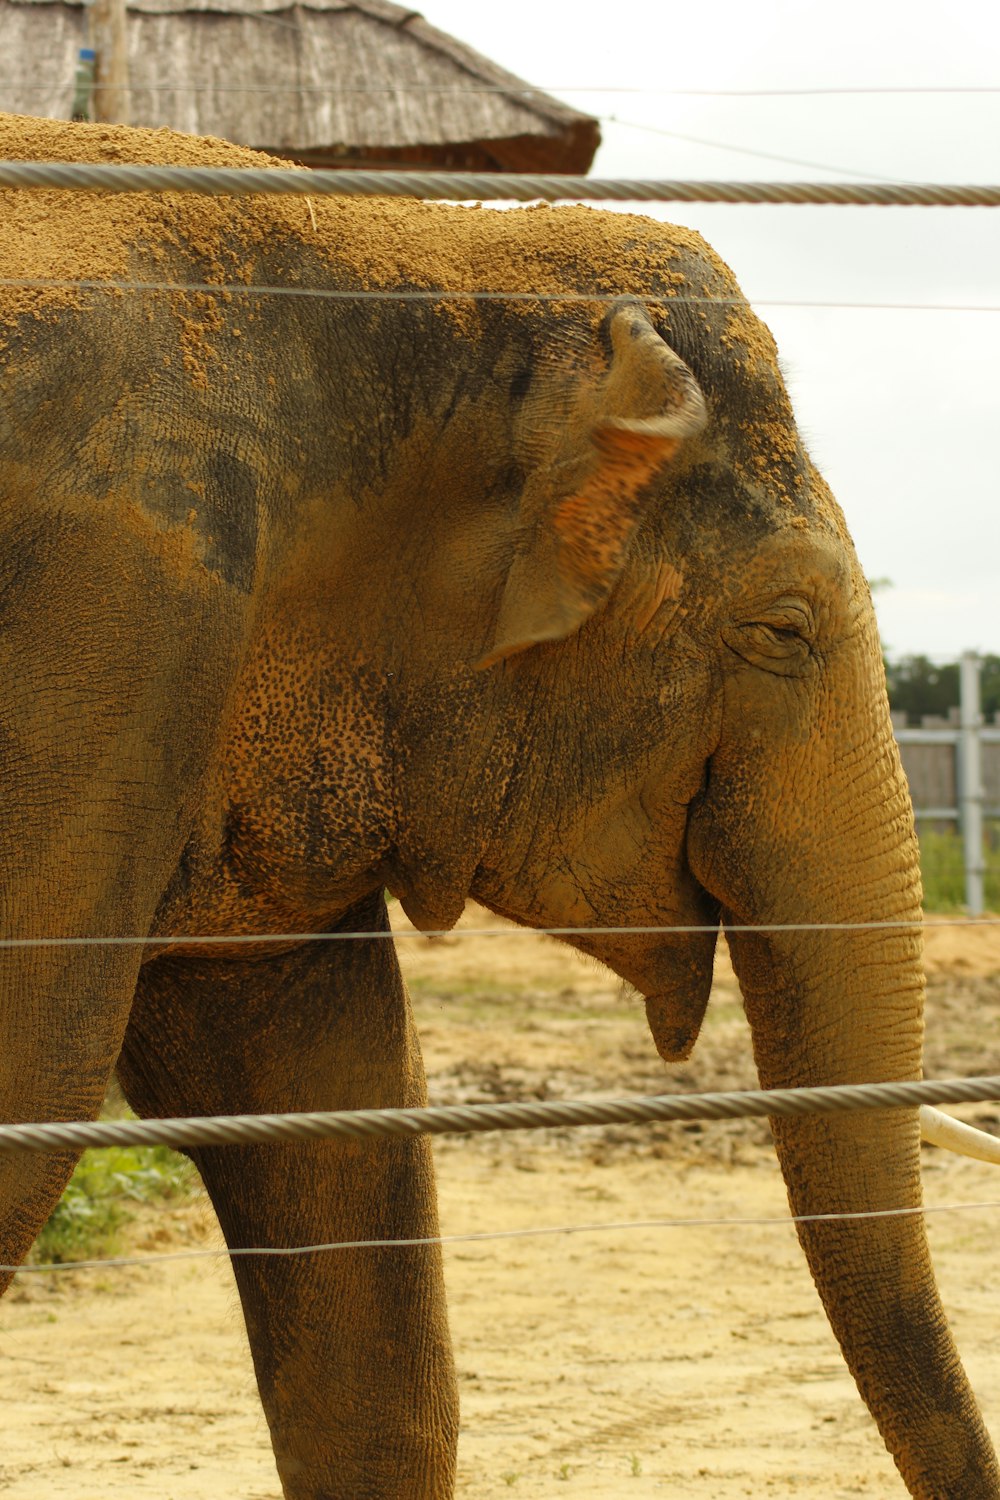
[[85, 1223], [943, 869]]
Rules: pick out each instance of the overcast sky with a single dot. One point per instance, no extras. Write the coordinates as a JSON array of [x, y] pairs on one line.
[[900, 407]]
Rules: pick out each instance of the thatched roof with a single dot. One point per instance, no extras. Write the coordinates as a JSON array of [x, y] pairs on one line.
[[326, 82]]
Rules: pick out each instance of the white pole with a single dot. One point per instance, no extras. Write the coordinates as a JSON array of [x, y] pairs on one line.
[[970, 782]]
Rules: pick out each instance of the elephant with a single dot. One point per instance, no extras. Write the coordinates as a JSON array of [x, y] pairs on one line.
[[355, 546]]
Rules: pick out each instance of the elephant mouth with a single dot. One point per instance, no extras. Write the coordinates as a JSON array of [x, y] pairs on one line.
[[673, 976], [675, 1022], [675, 1006], [672, 972]]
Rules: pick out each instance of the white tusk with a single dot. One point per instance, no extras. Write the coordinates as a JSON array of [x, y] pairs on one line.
[[943, 1130]]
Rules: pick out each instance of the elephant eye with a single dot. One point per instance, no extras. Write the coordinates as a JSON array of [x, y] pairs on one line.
[[779, 645], [776, 634]]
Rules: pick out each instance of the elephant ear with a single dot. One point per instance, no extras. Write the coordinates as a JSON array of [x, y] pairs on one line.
[[580, 511]]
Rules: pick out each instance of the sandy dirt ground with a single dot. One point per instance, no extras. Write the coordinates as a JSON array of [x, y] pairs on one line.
[[688, 1361]]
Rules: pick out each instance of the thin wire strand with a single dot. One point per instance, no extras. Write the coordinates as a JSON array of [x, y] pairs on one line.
[[334, 294], [525, 91], [485, 1236], [816, 93], [383, 934], [524, 94], [697, 140]]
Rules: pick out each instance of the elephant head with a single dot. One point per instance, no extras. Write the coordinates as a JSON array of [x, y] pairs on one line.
[[667, 698]]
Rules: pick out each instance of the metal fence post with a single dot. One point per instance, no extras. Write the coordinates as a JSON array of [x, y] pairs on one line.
[[970, 782]]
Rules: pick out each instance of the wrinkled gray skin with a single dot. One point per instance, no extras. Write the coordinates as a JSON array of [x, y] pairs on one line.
[[539, 604]]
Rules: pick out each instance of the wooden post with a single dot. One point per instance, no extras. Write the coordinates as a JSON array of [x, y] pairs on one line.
[[109, 41]]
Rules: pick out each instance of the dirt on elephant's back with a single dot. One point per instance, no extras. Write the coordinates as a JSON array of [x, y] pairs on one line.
[[55, 239]]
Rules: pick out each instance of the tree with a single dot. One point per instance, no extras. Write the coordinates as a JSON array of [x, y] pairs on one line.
[[919, 686]]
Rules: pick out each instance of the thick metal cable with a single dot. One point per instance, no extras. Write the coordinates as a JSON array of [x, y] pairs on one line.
[[460, 186], [469, 1119], [711, 1221]]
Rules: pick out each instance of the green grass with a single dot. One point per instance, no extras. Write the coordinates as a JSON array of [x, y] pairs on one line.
[[97, 1202], [943, 872]]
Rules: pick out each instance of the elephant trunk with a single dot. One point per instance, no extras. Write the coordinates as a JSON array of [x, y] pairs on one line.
[[827, 838], [818, 1017]]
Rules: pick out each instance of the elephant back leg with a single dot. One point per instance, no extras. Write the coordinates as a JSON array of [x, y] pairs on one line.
[[351, 1347]]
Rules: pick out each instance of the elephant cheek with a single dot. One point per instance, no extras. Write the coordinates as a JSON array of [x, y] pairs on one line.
[[676, 1009]]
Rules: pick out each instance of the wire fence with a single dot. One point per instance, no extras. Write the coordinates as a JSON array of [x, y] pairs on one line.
[[486, 1236], [64, 1136], [465, 1120], [525, 91], [518, 187], [470, 1119], [527, 95], [385, 934], [116, 285]]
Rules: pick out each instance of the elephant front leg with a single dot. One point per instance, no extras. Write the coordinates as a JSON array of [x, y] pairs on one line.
[[61, 1024], [351, 1346], [72, 868]]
